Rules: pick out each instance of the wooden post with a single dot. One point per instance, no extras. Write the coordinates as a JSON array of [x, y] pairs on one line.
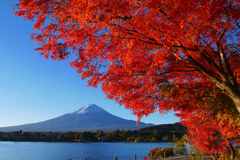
[[164, 154], [135, 157], [151, 156], [115, 158], [85, 159]]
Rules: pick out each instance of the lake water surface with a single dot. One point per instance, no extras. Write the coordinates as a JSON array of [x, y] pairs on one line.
[[75, 151]]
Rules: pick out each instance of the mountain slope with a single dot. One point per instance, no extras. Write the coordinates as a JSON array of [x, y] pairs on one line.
[[165, 127], [88, 118]]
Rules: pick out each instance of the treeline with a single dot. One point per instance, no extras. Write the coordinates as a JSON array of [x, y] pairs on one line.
[[97, 136]]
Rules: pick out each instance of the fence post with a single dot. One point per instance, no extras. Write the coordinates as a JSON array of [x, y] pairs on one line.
[[115, 158], [135, 157]]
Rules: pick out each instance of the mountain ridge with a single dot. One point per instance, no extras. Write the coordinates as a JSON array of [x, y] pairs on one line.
[[87, 118], [165, 127]]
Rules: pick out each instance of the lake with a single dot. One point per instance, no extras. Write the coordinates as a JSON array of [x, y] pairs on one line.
[[75, 151]]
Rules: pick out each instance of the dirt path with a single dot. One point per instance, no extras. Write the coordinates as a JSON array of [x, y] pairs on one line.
[[183, 157]]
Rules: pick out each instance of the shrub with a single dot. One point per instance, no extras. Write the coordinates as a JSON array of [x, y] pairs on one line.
[[159, 152]]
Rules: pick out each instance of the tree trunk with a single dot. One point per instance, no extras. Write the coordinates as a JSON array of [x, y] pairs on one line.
[[237, 103], [232, 151]]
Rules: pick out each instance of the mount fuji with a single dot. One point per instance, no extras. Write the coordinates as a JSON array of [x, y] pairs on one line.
[[87, 118]]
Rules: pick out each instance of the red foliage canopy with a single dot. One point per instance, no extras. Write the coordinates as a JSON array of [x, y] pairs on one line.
[[211, 129], [147, 54], [147, 48]]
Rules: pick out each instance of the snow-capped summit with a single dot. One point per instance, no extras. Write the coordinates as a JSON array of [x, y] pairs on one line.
[[87, 118], [90, 108]]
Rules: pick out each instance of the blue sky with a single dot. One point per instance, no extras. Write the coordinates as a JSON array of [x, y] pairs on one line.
[[33, 89]]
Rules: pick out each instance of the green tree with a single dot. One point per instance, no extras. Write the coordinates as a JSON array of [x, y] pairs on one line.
[[138, 139], [165, 138], [77, 135], [155, 133], [153, 139]]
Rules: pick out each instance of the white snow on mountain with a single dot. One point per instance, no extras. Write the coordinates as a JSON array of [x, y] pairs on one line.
[[90, 108], [87, 118]]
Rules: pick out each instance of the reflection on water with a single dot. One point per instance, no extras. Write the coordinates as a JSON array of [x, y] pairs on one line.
[[74, 151]]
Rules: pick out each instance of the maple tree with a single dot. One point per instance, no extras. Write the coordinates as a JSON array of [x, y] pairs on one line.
[[147, 54], [213, 131]]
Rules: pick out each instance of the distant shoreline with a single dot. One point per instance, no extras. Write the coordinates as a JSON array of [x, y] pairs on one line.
[[96, 136], [82, 142]]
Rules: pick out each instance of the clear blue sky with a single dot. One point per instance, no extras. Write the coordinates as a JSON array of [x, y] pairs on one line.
[[33, 89]]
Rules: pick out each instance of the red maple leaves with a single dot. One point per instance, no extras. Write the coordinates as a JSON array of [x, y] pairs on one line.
[[150, 55]]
